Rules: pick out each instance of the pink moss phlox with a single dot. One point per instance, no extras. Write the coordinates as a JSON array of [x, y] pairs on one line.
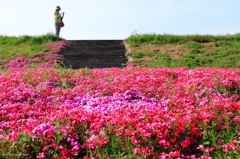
[[43, 130], [49, 57], [162, 108], [19, 62]]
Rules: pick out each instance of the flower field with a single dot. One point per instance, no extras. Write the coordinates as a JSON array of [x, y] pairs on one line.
[[129, 112]]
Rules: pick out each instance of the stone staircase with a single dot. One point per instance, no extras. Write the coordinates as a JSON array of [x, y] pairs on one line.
[[94, 54]]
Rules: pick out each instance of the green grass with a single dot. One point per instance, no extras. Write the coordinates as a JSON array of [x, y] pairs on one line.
[[223, 52], [137, 39], [142, 54], [194, 45], [25, 45]]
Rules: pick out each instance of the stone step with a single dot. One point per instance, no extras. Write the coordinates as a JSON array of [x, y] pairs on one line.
[[95, 48], [117, 60], [119, 52], [96, 44], [96, 57], [75, 65], [94, 54]]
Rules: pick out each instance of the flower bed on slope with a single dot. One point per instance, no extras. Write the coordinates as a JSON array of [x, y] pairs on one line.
[[41, 59], [125, 113]]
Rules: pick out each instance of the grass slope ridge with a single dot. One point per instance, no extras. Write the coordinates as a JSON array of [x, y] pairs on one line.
[[200, 50], [24, 46], [164, 50]]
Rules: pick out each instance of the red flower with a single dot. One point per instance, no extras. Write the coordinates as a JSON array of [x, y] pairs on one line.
[[174, 154], [193, 129]]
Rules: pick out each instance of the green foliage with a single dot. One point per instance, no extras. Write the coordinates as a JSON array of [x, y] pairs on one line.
[[158, 59], [223, 43], [236, 45], [137, 39], [194, 45], [142, 54], [162, 60], [224, 51], [190, 60], [194, 51], [13, 40]]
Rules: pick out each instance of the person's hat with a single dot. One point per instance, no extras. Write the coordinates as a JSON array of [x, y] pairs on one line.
[[58, 7]]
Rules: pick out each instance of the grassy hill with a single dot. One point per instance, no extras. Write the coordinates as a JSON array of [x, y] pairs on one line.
[[25, 46], [152, 50], [147, 50]]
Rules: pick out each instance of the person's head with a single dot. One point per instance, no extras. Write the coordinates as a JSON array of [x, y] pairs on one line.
[[58, 8]]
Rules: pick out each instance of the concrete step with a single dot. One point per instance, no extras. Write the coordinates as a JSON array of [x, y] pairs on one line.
[[94, 54], [74, 65], [95, 47], [100, 61], [118, 52], [96, 44], [96, 57]]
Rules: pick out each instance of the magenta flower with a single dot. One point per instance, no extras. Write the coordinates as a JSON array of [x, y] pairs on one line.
[[163, 110], [40, 155], [232, 145], [225, 147], [46, 130]]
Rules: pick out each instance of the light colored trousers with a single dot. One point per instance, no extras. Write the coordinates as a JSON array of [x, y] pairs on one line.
[[57, 28]]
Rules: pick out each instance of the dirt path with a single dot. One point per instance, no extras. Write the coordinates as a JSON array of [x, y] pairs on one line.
[[172, 50]]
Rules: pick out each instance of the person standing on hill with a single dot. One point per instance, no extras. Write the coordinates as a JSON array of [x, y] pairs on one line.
[[58, 20]]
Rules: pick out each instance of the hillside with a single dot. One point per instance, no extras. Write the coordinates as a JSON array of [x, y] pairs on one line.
[[147, 50], [24, 51], [151, 50]]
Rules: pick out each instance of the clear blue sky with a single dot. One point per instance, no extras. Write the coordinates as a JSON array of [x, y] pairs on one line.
[[118, 19]]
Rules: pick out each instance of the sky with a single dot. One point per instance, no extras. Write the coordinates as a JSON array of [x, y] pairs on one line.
[[118, 19]]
